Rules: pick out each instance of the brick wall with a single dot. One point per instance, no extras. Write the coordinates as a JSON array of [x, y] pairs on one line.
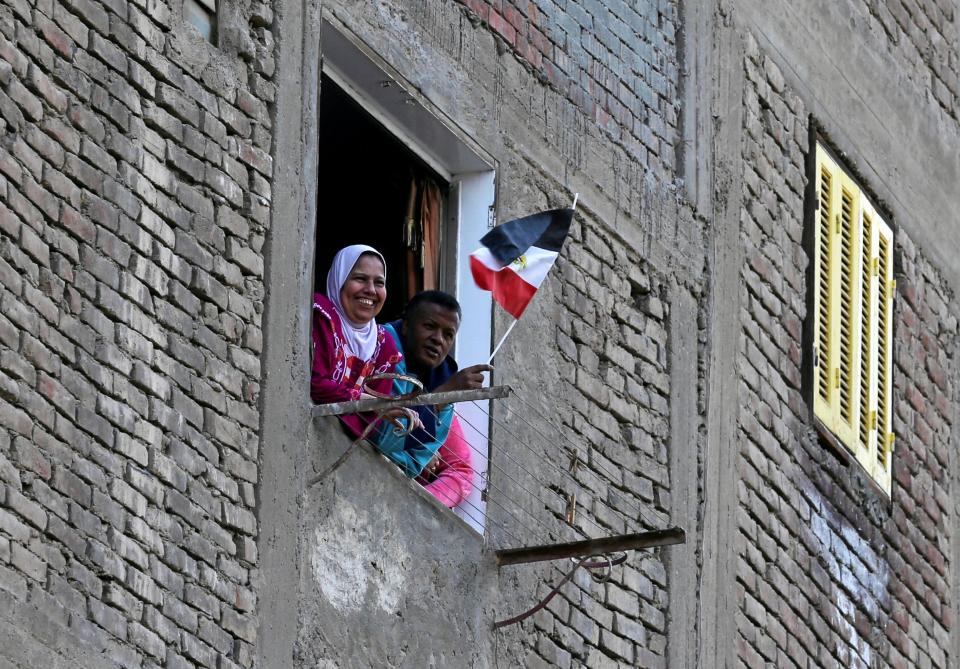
[[828, 573], [604, 379], [923, 36], [134, 196], [615, 61], [592, 350]]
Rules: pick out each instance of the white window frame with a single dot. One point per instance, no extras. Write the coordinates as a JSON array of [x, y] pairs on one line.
[[869, 290]]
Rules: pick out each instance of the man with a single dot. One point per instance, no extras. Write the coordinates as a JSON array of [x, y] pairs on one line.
[[436, 452]]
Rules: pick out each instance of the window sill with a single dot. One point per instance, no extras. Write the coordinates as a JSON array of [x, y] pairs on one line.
[[852, 465]]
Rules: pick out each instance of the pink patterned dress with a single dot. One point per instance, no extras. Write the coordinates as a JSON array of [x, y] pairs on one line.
[[337, 376]]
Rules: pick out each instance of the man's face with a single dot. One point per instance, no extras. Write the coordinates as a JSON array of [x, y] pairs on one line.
[[428, 336]]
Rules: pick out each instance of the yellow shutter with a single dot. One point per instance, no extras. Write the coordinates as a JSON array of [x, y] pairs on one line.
[[824, 261], [867, 432], [848, 316], [853, 326], [884, 356], [837, 301]]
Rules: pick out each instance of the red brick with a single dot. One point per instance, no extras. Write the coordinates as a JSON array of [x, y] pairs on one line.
[[915, 397], [55, 37], [503, 27], [515, 18]]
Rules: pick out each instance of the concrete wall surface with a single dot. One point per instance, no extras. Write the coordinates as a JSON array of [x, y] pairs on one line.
[[388, 577]]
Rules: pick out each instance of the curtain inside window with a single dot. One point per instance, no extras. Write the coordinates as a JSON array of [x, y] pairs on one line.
[[421, 235]]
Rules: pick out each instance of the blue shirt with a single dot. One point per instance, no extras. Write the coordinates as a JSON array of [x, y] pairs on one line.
[[414, 452]]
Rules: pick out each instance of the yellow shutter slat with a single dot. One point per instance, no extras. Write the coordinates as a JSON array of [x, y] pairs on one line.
[[847, 311], [868, 338], [884, 356], [824, 363]]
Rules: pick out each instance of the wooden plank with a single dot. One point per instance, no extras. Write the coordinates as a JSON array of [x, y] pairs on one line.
[[591, 547], [358, 406]]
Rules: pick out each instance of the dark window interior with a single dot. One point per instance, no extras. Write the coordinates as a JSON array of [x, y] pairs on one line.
[[365, 176]]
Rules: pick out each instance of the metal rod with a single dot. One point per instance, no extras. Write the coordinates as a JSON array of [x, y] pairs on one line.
[[643, 515], [494, 499], [517, 483], [591, 547], [359, 406]]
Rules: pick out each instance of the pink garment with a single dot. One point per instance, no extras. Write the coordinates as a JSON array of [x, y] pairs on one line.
[[452, 481], [337, 376]]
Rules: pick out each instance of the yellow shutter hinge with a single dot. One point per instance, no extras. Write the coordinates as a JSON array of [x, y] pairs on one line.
[[836, 377], [873, 420], [893, 287], [891, 438], [876, 266], [816, 356], [838, 223]]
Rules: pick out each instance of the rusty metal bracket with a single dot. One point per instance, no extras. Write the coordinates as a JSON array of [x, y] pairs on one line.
[[591, 547], [581, 552]]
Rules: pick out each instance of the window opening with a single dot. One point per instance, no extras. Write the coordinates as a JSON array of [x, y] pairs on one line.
[[382, 148], [853, 302], [202, 15], [373, 190]]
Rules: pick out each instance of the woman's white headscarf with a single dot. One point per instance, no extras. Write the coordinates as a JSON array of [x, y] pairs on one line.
[[361, 339]]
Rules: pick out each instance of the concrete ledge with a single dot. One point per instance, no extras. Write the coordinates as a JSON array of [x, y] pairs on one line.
[[389, 575]]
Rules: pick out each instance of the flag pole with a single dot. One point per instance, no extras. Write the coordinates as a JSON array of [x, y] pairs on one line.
[[502, 339], [496, 349]]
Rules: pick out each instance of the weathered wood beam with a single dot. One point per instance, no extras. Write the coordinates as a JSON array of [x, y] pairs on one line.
[[591, 547], [357, 406]]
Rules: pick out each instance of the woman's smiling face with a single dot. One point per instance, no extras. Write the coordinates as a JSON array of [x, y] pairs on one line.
[[364, 291]]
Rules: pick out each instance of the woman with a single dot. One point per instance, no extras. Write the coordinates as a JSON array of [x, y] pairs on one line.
[[348, 345]]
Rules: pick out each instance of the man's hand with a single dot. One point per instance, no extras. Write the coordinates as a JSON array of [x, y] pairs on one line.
[[470, 378]]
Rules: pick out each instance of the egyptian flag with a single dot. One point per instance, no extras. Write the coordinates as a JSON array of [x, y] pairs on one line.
[[516, 256]]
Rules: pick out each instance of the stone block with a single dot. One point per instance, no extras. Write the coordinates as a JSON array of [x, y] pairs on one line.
[[209, 288], [197, 650], [213, 635], [240, 519], [197, 545], [201, 599], [26, 508], [181, 614], [108, 618], [183, 507], [13, 582], [105, 560], [144, 587], [148, 641], [616, 645]]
